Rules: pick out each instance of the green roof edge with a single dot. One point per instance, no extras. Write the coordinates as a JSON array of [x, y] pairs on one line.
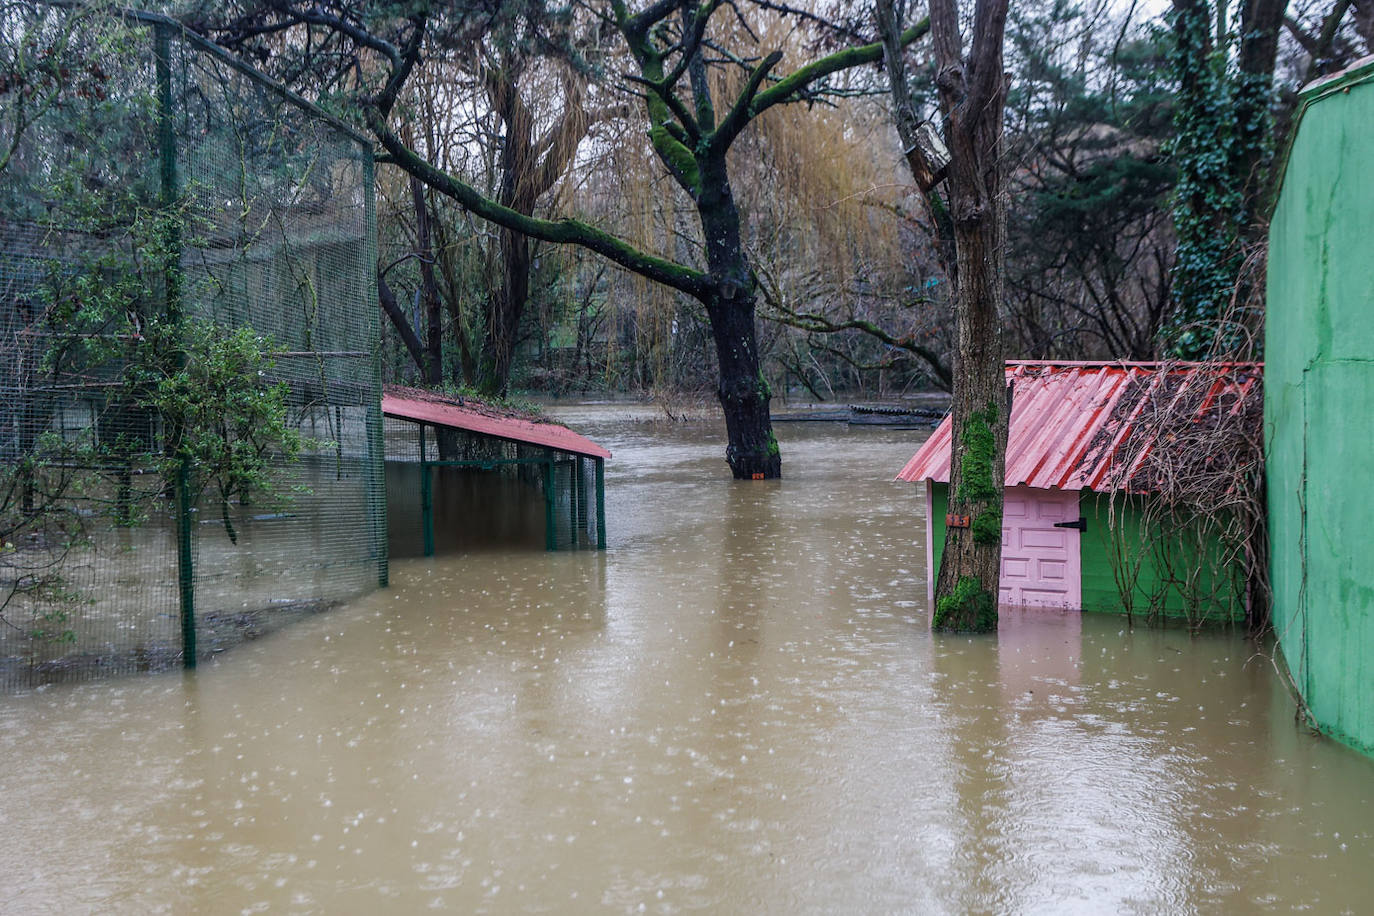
[[1361, 71]]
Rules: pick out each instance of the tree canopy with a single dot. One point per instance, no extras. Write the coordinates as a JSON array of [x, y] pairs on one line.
[[747, 167]]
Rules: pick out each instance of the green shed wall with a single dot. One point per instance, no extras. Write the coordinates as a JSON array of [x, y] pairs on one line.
[[1221, 600], [1319, 407]]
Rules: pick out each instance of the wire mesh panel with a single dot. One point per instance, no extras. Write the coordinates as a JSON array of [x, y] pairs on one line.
[[190, 425], [576, 508]]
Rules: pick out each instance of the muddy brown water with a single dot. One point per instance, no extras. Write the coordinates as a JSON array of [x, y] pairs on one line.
[[737, 708]]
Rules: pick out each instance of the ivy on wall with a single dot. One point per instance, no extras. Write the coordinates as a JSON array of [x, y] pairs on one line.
[[1222, 133]]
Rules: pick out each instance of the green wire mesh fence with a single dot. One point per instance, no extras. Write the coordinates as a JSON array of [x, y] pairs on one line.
[[190, 428]]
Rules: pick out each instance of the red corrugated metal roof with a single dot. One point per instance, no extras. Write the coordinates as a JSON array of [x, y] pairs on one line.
[[427, 407], [1070, 420]]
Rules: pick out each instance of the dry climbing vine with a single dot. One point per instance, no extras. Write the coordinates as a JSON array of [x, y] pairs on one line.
[[1204, 527]]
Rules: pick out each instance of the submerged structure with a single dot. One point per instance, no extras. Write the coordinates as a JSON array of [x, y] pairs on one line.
[[478, 445], [190, 429], [1085, 523], [1319, 410]]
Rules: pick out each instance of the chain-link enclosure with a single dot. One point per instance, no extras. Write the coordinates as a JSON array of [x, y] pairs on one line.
[[190, 426]]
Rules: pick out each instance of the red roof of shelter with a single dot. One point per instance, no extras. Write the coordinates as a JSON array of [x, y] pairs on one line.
[[427, 407], [1071, 421]]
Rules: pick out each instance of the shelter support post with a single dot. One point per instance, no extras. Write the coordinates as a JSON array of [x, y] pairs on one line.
[[600, 503], [427, 506], [170, 180], [426, 498], [550, 524], [577, 496]]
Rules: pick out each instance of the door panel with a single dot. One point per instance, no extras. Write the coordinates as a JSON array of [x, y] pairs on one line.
[[1041, 565]]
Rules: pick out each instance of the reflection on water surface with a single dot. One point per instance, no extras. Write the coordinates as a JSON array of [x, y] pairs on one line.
[[737, 708]]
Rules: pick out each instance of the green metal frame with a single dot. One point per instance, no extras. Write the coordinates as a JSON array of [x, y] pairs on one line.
[[550, 527], [170, 180], [600, 503], [376, 434], [186, 572]]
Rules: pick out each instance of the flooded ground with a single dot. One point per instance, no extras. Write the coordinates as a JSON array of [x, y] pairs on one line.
[[737, 708]]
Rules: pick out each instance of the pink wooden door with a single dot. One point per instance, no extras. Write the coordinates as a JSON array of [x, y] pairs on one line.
[[1041, 566]]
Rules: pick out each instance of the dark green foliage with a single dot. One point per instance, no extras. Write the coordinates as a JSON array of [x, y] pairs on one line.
[[230, 419], [1221, 135], [1105, 193], [1088, 221], [1206, 199]]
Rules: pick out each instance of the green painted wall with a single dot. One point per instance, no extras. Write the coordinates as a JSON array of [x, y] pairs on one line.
[[1217, 598], [1319, 407], [1183, 579]]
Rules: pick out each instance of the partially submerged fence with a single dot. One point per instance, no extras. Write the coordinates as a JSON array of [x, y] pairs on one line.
[[190, 429]]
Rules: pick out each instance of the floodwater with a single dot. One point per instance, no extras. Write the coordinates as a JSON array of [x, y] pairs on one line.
[[737, 708]]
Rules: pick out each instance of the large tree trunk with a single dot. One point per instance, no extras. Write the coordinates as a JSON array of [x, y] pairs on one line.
[[433, 368], [1260, 22], [506, 309], [400, 322], [972, 94], [970, 567], [752, 449]]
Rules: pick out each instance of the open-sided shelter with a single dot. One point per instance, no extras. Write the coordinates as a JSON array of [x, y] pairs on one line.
[[1078, 484], [459, 433]]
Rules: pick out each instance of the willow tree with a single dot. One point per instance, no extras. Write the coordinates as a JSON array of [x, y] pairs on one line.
[[515, 128], [671, 50]]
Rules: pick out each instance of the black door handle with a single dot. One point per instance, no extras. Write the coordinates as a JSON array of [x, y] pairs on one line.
[[1081, 524]]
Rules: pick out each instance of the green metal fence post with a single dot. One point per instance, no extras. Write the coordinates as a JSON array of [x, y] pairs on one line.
[[376, 426], [574, 496], [426, 499], [601, 504], [427, 506], [169, 176], [550, 525], [186, 572], [376, 490], [170, 189]]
